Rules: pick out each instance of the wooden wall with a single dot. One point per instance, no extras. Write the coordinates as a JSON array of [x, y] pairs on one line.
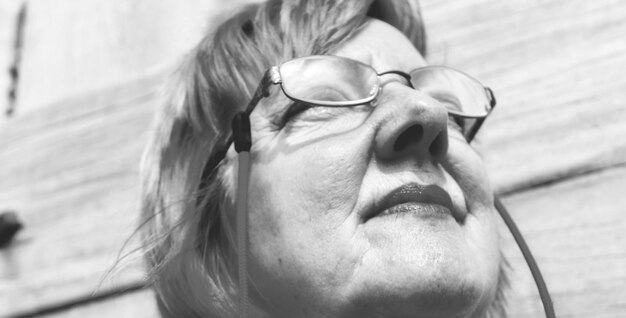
[[555, 146]]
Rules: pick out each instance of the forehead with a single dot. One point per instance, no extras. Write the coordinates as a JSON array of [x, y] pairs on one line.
[[383, 47]]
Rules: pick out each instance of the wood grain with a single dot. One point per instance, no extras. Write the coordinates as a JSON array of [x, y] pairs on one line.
[[555, 67], [576, 231], [88, 45], [75, 188], [69, 167]]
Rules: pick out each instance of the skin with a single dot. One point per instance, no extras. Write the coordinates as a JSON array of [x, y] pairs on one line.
[[313, 253]]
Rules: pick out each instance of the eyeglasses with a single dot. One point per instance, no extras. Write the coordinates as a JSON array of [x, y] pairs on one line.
[[333, 82]]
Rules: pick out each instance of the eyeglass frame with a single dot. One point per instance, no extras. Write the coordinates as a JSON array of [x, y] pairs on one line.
[[241, 134]]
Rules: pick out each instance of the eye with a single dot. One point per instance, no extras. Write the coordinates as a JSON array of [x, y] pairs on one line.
[[452, 105], [302, 115], [449, 101], [293, 110], [328, 94], [319, 94]]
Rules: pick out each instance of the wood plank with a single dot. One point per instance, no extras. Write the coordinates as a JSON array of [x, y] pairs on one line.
[[555, 67], [575, 229], [70, 167], [75, 188], [91, 44]]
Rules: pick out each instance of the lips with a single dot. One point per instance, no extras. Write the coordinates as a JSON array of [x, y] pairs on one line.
[[428, 200]]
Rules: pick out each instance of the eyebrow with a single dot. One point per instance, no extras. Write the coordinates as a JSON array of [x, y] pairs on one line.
[[364, 57]]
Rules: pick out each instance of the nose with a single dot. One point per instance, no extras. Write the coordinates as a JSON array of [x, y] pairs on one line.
[[411, 125]]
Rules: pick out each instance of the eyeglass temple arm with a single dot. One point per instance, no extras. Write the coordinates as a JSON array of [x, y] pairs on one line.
[[241, 121]]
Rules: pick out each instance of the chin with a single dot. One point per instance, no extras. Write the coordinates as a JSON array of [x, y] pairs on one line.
[[444, 291], [433, 302]]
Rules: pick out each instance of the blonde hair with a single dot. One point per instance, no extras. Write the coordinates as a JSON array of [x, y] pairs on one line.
[[188, 240]]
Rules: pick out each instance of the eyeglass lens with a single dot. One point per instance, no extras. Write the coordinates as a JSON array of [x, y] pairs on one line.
[[336, 81], [329, 81], [459, 92]]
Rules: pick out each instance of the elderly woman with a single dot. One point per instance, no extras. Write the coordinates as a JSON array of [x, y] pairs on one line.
[[360, 194]]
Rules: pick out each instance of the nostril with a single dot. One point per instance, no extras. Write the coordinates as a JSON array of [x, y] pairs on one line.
[[439, 147], [410, 135]]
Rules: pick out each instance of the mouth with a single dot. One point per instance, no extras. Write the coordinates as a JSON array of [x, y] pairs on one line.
[[423, 200]]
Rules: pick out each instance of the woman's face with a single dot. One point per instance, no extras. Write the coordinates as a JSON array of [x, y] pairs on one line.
[[352, 222]]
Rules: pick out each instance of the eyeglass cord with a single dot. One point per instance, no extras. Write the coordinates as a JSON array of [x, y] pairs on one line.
[[242, 231], [530, 260]]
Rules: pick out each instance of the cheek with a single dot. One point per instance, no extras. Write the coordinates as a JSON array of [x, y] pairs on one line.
[[301, 210], [468, 170], [310, 183]]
